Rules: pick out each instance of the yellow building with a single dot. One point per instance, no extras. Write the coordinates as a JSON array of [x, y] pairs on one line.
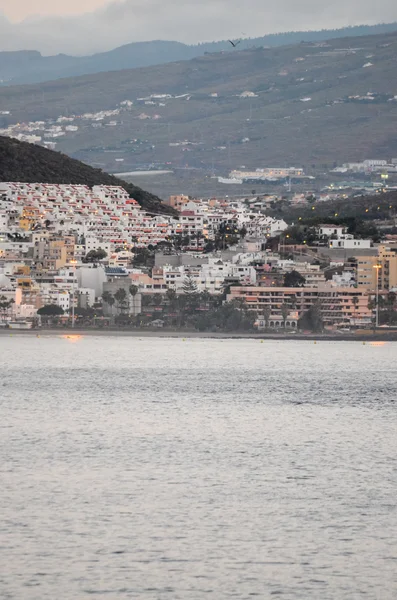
[[383, 267], [30, 215], [388, 270], [55, 256], [366, 272], [22, 270], [25, 283]]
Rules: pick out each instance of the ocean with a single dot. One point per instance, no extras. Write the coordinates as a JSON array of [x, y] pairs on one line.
[[176, 469]]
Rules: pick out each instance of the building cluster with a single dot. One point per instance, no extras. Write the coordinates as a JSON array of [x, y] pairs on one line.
[[47, 132], [380, 166], [73, 247], [265, 175], [65, 245]]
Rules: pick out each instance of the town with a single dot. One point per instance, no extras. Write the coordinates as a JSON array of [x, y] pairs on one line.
[[74, 256]]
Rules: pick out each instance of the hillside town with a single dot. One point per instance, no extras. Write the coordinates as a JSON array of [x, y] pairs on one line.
[[74, 256]]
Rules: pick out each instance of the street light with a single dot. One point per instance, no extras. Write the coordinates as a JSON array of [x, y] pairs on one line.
[[74, 263], [377, 267]]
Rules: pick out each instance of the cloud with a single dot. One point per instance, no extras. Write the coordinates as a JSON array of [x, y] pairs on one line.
[[187, 21]]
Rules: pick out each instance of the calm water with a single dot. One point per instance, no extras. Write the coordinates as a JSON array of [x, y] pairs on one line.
[[169, 469]]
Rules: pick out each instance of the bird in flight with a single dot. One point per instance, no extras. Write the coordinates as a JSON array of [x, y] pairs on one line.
[[234, 44]]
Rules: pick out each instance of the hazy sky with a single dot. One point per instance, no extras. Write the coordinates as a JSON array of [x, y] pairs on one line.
[[16, 10], [87, 26]]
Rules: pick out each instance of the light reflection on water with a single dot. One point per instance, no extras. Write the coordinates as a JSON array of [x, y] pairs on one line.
[[152, 468]]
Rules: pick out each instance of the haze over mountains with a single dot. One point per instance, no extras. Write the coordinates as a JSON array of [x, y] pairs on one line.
[[29, 66], [303, 104]]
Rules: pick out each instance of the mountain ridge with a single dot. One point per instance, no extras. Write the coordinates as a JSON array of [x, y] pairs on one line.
[[30, 66], [309, 103]]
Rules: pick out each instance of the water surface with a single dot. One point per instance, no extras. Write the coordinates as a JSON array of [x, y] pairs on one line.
[[169, 469]]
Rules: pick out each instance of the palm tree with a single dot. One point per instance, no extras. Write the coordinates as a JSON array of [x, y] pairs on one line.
[[133, 290], [108, 299], [391, 299], [266, 315], [355, 304], [171, 295], [284, 313], [198, 237], [206, 299], [121, 296]]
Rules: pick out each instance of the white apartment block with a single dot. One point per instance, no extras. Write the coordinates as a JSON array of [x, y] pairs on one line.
[[350, 244]]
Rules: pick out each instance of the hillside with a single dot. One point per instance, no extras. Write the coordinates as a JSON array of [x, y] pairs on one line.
[[305, 104], [20, 67], [24, 162]]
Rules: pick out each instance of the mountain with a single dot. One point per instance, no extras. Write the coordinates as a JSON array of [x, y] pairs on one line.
[[31, 67], [313, 103], [20, 161]]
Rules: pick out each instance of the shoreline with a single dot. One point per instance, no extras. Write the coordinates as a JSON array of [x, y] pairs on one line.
[[53, 332]]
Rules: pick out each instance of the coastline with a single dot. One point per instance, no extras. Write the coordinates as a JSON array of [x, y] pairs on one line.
[[343, 337]]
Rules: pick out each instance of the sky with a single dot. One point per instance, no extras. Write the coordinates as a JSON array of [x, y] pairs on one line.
[[89, 26]]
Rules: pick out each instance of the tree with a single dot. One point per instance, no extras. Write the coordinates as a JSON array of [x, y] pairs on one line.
[[199, 236], [284, 313], [94, 256], [391, 298], [294, 279], [108, 299], [209, 246], [293, 302], [87, 313], [143, 257], [243, 232], [355, 304], [206, 300], [121, 297], [5, 305], [189, 286], [266, 315], [312, 319], [133, 289], [165, 247], [171, 295], [50, 310]]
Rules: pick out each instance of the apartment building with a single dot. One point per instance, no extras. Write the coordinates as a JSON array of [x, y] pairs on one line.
[[178, 202], [338, 306], [376, 271]]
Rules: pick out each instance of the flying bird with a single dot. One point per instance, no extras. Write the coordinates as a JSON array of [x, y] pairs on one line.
[[234, 44]]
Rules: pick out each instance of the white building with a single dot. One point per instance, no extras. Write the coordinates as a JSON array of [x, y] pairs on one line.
[[350, 244]]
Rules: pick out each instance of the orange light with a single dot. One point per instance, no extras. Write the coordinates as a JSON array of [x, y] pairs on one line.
[[72, 338]]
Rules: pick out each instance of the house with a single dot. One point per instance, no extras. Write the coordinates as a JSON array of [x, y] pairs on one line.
[[327, 231], [350, 244]]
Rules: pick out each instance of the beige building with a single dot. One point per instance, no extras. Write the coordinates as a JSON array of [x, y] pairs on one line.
[[383, 267], [177, 202], [339, 306], [53, 252], [55, 255]]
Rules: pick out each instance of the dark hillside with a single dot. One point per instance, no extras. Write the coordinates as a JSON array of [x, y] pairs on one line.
[[20, 161]]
